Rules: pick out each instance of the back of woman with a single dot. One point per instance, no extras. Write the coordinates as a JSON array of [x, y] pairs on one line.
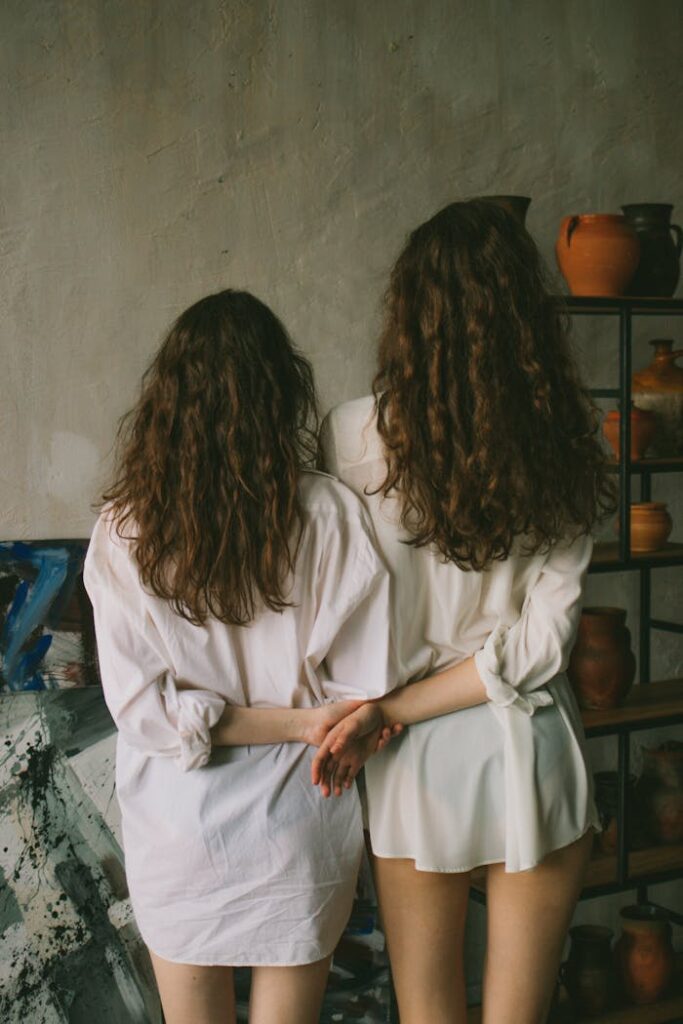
[[478, 461], [229, 581]]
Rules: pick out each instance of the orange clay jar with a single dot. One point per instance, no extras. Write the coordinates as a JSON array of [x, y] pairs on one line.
[[597, 253], [643, 430], [644, 953], [651, 525]]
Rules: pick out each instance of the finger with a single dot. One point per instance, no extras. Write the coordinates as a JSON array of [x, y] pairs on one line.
[[397, 729]]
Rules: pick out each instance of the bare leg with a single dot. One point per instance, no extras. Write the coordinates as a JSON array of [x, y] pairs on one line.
[[288, 995], [528, 916], [203, 995], [423, 915]]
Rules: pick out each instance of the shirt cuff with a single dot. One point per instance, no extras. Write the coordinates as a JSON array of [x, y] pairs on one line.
[[193, 713], [488, 661]]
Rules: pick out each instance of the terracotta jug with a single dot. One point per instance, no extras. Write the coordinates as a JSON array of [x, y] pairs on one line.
[[602, 665], [651, 525], [659, 266], [643, 428], [644, 954], [515, 204], [606, 800], [659, 389], [589, 974], [660, 792], [597, 253]]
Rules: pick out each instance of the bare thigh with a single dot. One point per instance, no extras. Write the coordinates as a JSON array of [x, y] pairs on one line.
[[528, 916], [203, 995], [288, 995], [423, 916]]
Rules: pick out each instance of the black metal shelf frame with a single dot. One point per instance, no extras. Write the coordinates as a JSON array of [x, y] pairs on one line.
[[625, 309]]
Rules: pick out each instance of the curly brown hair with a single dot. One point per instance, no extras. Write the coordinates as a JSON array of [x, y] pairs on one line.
[[210, 457], [488, 432]]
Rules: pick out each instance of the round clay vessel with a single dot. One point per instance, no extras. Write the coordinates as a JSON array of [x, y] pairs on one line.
[[643, 429], [660, 792], [644, 954], [659, 389], [602, 665], [659, 265], [597, 253], [651, 525], [518, 205], [606, 801], [589, 974]]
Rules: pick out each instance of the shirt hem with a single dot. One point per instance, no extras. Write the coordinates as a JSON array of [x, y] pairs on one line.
[[421, 866]]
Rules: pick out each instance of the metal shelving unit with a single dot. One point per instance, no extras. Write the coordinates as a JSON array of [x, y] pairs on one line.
[[652, 703]]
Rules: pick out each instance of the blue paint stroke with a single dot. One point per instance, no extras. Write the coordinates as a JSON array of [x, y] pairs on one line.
[[30, 609]]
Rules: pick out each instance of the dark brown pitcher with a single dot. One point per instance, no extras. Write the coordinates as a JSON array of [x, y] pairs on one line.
[[659, 265], [589, 974]]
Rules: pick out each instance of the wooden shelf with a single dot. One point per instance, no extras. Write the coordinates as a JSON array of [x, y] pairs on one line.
[[654, 860], [647, 705], [594, 304], [606, 558], [672, 464]]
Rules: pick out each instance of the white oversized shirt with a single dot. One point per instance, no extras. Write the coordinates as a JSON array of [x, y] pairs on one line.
[[233, 856]]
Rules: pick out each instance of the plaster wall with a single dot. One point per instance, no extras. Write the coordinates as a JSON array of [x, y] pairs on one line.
[[155, 151]]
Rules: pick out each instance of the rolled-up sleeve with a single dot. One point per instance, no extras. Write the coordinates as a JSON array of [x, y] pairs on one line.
[[152, 709], [518, 660]]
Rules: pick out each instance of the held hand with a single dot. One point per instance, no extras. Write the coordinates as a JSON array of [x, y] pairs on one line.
[[347, 747], [324, 718]]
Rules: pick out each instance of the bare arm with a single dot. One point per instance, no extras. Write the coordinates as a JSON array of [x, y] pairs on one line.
[[240, 725]]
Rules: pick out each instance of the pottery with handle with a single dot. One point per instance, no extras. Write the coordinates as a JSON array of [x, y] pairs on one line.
[[602, 665], [658, 388], [660, 249], [589, 973], [659, 792], [597, 253]]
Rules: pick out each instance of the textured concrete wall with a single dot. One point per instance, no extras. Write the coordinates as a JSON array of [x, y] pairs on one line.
[[152, 152]]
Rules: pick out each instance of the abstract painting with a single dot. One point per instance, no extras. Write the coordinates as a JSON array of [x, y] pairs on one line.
[[47, 639]]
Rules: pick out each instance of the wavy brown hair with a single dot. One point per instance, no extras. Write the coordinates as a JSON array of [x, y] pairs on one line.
[[488, 432], [210, 457]]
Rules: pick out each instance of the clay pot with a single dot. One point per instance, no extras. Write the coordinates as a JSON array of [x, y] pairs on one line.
[[589, 974], [644, 954], [660, 792], [659, 266], [606, 800], [643, 428], [659, 389], [597, 253], [602, 665], [651, 525], [518, 205]]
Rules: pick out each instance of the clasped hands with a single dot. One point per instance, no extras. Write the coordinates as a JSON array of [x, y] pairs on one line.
[[347, 733]]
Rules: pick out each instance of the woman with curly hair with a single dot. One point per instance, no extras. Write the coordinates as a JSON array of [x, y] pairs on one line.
[[479, 462], [236, 593]]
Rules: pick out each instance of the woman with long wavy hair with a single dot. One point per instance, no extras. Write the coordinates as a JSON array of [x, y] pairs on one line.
[[235, 594], [479, 461]]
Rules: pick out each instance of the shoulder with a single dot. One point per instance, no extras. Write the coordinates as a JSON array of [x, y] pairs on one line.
[[349, 434], [323, 496], [110, 546]]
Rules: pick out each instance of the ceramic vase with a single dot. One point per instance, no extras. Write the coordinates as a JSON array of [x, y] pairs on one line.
[[651, 525], [660, 792], [644, 954], [602, 665], [607, 800], [597, 253], [589, 974], [660, 249], [518, 205], [643, 429], [658, 388]]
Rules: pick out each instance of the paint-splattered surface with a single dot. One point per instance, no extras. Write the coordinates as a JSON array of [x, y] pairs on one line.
[[47, 636], [70, 950]]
